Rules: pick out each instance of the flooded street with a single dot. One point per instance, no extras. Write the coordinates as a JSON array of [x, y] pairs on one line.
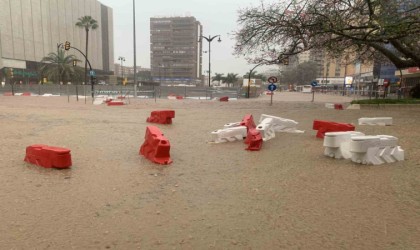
[[213, 196]]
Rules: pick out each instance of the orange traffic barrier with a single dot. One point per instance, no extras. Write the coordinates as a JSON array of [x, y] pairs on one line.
[[115, 103], [338, 106], [47, 156], [179, 97], [254, 140], [328, 126], [224, 99], [156, 147], [248, 122], [26, 94], [161, 116]]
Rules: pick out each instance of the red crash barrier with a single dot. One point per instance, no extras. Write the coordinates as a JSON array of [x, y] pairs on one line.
[[26, 94], [7, 93], [338, 106], [115, 103], [328, 126], [161, 116], [156, 147], [47, 156], [224, 99], [254, 140], [248, 122]]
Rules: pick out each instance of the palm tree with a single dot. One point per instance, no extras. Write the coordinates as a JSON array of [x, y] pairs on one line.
[[231, 78], [255, 75], [87, 22], [59, 66], [218, 77]]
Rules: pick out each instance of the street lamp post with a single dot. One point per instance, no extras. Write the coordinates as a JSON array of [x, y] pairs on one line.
[[210, 39], [122, 59]]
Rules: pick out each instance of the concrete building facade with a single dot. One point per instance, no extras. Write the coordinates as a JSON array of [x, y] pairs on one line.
[[31, 29], [175, 50]]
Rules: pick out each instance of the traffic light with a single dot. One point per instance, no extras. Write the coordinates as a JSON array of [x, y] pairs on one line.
[[67, 45]]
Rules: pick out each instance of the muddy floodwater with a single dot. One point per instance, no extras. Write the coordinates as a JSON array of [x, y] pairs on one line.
[[288, 195]]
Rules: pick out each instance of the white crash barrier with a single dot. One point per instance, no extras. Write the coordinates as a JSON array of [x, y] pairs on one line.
[[329, 105], [282, 124], [266, 129], [337, 144], [384, 121], [375, 150], [229, 134], [99, 100]]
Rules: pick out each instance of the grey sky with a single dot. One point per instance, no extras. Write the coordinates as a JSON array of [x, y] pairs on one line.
[[218, 17]]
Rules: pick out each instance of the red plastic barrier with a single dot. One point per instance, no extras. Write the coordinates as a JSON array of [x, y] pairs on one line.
[[161, 116], [248, 122], [156, 147], [224, 99], [338, 106], [254, 140], [26, 94], [115, 103], [7, 93], [328, 126], [47, 156], [179, 97]]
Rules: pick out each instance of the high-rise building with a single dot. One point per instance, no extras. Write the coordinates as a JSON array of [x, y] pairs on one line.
[[31, 29], [175, 50]]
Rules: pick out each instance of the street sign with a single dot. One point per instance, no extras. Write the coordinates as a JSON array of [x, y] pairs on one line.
[[272, 79], [314, 83], [92, 73], [272, 87]]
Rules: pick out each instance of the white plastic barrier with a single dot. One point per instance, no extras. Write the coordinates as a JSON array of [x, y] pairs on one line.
[[232, 124], [282, 124], [229, 134], [337, 144], [266, 129], [99, 100], [375, 150], [329, 105], [384, 121]]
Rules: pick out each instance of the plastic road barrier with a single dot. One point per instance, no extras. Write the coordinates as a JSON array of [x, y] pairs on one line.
[[328, 126], [115, 103], [156, 147], [337, 144], [375, 150], [229, 134], [338, 106], [224, 99], [254, 140], [282, 124], [47, 156], [248, 122], [383, 121], [266, 129], [161, 116]]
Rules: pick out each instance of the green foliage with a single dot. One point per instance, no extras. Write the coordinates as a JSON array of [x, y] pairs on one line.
[[59, 67], [218, 77], [254, 75], [87, 22], [386, 101], [231, 78], [415, 91]]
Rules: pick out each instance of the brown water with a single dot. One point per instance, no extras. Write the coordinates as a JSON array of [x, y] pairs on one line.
[[213, 196]]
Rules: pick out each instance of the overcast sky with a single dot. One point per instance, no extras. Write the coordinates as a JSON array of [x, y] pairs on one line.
[[218, 17]]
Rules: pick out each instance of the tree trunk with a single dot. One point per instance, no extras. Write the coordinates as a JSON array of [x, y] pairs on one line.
[[87, 42]]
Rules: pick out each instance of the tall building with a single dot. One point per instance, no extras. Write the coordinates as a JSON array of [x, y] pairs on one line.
[[31, 29], [175, 50]]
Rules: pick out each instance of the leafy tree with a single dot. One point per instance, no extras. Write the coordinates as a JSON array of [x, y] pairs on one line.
[[231, 78], [60, 67], [301, 74], [87, 23], [357, 28]]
